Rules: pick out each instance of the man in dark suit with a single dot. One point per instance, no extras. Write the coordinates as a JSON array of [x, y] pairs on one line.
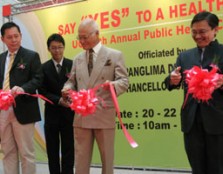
[[108, 66], [58, 124], [202, 122], [17, 123]]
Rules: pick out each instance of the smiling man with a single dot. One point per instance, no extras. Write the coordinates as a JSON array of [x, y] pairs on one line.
[[96, 65], [20, 72], [202, 121]]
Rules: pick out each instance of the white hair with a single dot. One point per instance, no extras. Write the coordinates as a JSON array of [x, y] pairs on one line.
[[88, 22]]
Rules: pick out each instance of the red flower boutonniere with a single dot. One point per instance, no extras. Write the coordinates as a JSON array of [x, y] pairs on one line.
[[21, 65]]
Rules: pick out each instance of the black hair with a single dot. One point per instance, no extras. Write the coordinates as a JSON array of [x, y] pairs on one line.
[[9, 25], [55, 37], [211, 18]]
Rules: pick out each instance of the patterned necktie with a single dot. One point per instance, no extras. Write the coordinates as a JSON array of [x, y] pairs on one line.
[[58, 68], [90, 61], [6, 85]]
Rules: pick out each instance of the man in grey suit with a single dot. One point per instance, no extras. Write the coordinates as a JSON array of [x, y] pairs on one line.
[[202, 122], [17, 123], [108, 67]]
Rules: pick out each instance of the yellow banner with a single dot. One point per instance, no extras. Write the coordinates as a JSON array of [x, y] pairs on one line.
[[151, 34]]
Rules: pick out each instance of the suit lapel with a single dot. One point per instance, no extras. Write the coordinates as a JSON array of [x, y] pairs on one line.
[[18, 58], [197, 58], [3, 59], [65, 69], [98, 66], [82, 65], [209, 55], [2, 68], [52, 70]]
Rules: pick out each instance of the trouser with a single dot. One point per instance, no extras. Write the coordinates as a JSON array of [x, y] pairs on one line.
[[16, 139]]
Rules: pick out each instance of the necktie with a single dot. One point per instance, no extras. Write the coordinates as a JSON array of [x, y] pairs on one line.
[[6, 85], [202, 54], [90, 61], [58, 68]]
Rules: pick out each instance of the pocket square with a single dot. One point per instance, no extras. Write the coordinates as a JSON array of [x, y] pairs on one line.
[[108, 62]]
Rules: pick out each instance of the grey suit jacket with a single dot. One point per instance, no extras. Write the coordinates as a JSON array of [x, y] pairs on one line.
[[108, 66], [212, 112]]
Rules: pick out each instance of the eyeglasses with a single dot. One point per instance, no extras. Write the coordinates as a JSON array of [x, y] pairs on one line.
[[85, 37], [200, 32], [56, 48]]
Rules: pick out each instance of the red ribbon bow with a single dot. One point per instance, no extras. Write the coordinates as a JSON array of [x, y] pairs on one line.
[[201, 82], [84, 102]]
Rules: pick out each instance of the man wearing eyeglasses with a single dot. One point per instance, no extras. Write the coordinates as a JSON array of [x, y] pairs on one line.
[[58, 125], [107, 67], [202, 122]]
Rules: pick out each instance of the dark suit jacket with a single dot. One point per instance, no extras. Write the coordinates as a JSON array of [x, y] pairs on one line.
[[212, 112], [29, 78], [51, 88]]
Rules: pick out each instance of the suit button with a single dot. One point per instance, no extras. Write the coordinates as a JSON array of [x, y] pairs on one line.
[[102, 78]]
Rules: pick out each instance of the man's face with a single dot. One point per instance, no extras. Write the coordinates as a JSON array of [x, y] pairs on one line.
[[12, 39], [57, 50], [88, 37], [202, 33]]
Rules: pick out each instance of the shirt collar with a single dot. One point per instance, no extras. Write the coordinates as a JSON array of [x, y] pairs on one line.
[[97, 48], [9, 53], [55, 63]]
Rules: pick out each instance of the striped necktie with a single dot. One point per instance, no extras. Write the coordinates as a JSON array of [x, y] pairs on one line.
[[90, 61], [6, 85]]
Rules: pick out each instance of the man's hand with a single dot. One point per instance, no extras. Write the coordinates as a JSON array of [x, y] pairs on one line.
[[106, 85], [220, 82], [64, 103], [175, 76], [65, 93], [16, 90]]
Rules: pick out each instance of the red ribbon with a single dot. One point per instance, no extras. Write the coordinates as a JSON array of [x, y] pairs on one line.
[[84, 102], [7, 99], [131, 141], [37, 96]]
